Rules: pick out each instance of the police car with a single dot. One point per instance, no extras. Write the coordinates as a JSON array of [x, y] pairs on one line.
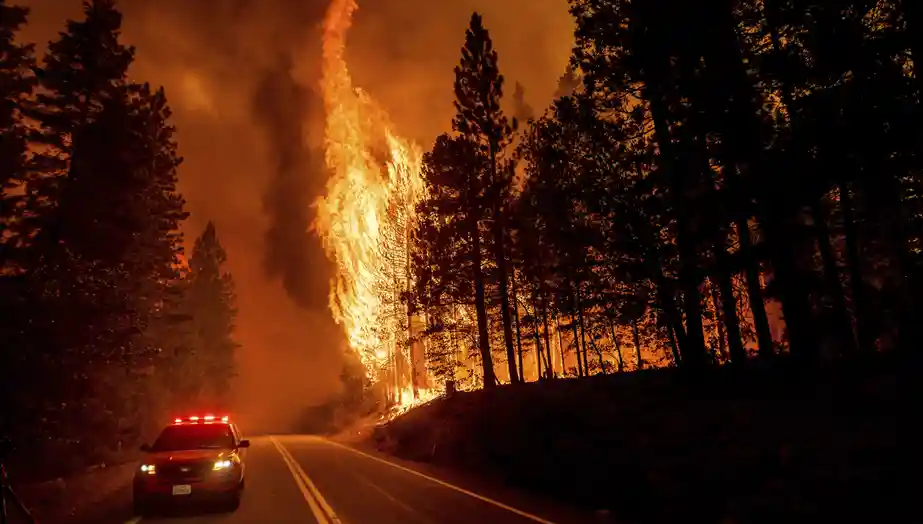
[[196, 458]]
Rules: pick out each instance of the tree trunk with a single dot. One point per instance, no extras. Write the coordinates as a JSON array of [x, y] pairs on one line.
[[398, 389], [692, 346], [454, 334], [500, 260], [519, 354], [636, 335], [671, 332], [557, 329], [796, 309], [693, 354], [866, 339], [676, 330], [490, 379], [538, 348], [546, 359], [777, 221], [729, 316], [618, 346], [384, 377], [885, 193], [672, 314], [516, 318], [755, 291], [599, 356], [586, 362], [398, 348], [833, 282], [547, 339], [573, 325], [411, 349], [719, 324]]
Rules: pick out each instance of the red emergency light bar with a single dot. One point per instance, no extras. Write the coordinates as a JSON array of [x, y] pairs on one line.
[[208, 419]]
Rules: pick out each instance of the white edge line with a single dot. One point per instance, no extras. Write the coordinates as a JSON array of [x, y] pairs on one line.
[[330, 514], [445, 484], [318, 513]]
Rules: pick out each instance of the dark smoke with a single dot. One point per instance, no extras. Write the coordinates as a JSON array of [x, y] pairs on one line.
[[293, 254]]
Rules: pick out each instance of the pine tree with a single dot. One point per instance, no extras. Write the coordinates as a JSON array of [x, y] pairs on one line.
[[449, 248], [103, 263], [79, 320], [211, 302], [633, 59], [158, 244], [98, 193], [16, 86], [155, 258], [479, 118], [83, 68]]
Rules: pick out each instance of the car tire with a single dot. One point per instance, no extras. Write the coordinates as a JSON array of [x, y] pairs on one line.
[[234, 501], [139, 507]]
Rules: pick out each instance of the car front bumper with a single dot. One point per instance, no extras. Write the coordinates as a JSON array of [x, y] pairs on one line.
[[152, 489]]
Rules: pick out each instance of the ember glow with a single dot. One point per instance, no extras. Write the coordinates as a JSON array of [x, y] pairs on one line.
[[408, 401], [366, 216]]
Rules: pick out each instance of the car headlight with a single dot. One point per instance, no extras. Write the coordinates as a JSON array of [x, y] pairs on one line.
[[150, 469], [222, 464]]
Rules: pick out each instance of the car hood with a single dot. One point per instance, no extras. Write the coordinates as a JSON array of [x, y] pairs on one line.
[[191, 455]]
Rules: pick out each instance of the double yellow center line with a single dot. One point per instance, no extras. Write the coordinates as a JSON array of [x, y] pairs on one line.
[[321, 510]]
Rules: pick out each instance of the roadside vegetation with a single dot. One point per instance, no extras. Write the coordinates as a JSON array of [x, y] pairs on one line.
[[728, 193], [106, 324]]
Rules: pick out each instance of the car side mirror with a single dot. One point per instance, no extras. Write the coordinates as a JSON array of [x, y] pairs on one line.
[[146, 448], [244, 443]]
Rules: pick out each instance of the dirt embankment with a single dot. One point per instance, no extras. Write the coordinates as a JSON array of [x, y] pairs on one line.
[[776, 444], [88, 497]]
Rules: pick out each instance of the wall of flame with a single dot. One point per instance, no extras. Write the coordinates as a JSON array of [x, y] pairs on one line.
[[365, 217]]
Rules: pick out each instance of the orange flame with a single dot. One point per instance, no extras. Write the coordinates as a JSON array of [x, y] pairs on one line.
[[408, 402], [365, 216]]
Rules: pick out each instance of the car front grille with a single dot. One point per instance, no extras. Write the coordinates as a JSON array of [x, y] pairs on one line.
[[184, 470]]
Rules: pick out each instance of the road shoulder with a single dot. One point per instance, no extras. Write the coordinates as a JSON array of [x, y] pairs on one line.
[[101, 495], [491, 487]]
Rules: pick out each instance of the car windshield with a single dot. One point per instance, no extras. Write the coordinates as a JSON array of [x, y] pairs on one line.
[[194, 436]]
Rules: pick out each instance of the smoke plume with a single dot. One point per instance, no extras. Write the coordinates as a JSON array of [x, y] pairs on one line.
[[281, 106]]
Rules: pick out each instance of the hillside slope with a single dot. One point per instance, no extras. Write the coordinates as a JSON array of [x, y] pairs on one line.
[[774, 444]]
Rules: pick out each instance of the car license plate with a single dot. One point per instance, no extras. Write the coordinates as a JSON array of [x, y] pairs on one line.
[[182, 489]]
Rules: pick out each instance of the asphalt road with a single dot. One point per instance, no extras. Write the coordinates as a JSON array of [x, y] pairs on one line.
[[311, 480]]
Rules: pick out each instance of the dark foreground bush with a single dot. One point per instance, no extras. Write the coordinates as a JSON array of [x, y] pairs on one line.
[[774, 444]]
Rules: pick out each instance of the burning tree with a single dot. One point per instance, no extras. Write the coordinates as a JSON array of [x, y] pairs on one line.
[[366, 219]]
